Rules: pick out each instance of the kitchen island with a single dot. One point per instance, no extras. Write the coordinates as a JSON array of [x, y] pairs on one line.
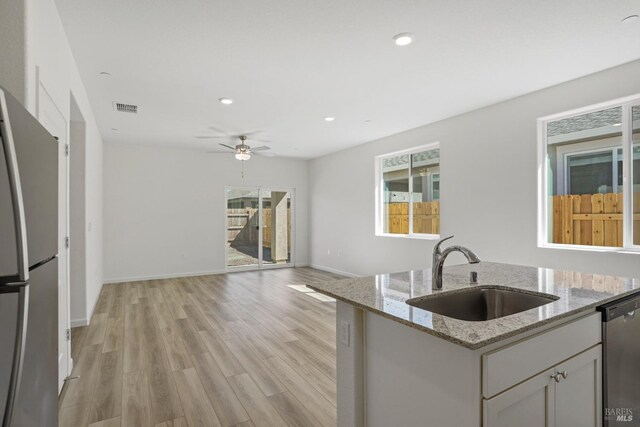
[[402, 365]]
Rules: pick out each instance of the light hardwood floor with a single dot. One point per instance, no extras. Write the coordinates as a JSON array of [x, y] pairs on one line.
[[238, 349]]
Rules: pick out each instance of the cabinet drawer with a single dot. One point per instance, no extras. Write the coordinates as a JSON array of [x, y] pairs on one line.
[[575, 399], [508, 366]]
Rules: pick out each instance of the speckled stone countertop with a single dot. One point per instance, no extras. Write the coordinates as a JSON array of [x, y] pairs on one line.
[[385, 294]]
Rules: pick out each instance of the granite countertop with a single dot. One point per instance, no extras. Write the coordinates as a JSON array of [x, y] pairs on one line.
[[385, 294]]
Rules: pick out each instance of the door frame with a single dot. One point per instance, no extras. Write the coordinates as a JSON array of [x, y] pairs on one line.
[[62, 234], [260, 265]]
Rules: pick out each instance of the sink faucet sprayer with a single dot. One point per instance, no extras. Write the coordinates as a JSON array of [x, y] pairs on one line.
[[440, 256]]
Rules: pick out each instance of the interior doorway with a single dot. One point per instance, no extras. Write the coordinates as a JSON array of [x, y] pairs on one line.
[[259, 228]]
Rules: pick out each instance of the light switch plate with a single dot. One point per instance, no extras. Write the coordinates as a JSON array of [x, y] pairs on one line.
[[345, 336]]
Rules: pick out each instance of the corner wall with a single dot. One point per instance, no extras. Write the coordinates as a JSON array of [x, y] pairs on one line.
[[77, 222], [49, 59], [488, 187], [166, 214]]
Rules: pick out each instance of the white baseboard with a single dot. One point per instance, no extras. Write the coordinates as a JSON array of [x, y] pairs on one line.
[[78, 322], [333, 270], [163, 276]]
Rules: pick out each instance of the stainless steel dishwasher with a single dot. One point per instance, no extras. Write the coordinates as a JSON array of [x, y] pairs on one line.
[[621, 362]]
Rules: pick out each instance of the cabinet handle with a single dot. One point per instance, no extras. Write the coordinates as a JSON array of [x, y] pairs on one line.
[[556, 377], [564, 374]]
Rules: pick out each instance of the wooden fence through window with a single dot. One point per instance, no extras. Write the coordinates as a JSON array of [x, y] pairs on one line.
[[426, 217], [242, 226], [592, 219]]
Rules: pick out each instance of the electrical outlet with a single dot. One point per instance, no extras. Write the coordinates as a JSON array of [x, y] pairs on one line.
[[345, 336]]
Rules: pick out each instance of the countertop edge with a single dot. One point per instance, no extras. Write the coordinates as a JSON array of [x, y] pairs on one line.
[[475, 345]]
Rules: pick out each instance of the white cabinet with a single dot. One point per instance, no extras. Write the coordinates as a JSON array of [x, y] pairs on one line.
[[529, 404], [567, 395], [579, 395], [393, 375]]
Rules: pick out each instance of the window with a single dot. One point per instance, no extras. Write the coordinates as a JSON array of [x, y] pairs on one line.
[[589, 173], [408, 192]]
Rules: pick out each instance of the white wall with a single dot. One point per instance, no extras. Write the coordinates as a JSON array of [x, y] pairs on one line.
[[488, 187], [49, 60], [12, 47], [165, 212], [77, 231]]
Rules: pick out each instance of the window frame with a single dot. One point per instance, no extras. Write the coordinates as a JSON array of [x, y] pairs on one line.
[[379, 189], [626, 103]]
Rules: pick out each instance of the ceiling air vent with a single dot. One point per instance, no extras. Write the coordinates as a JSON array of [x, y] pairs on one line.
[[125, 108]]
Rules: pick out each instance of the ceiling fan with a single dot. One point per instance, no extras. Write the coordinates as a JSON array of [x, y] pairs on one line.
[[243, 151]]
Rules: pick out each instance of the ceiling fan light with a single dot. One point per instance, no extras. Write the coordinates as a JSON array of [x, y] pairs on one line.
[[243, 156]]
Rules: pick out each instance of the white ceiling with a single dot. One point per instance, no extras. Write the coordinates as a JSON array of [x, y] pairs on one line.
[[289, 63]]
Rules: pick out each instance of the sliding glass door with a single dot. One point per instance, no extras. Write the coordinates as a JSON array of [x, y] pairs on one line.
[[276, 227], [243, 221], [258, 228]]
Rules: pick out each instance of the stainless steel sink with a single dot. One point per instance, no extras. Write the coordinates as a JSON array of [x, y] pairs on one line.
[[481, 303]]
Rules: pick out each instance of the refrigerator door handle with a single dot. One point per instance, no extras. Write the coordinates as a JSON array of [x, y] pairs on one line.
[[18, 351], [23, 259], [16, 190]]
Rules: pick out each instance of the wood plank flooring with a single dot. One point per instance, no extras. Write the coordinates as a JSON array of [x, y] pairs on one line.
[[238, 349]]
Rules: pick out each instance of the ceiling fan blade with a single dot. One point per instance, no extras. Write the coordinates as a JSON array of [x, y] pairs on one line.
[[228, 146], [261, 148], [218, 130], [210, 137], [253, 132], [264, 141], [218, 152]]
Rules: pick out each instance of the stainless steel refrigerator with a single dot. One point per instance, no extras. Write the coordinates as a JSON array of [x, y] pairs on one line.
[[28, 269]]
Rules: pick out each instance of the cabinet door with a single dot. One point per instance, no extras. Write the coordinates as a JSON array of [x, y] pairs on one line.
[[579, 395], [529, 404]]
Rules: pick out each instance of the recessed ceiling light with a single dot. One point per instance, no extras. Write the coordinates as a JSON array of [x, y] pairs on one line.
[[226, 101], [403, 39], [368, 121], [114, 129], [104, 74], [329, 119], [629, 19]]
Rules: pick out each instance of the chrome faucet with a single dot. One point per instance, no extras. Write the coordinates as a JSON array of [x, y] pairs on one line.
[[440, 256]]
